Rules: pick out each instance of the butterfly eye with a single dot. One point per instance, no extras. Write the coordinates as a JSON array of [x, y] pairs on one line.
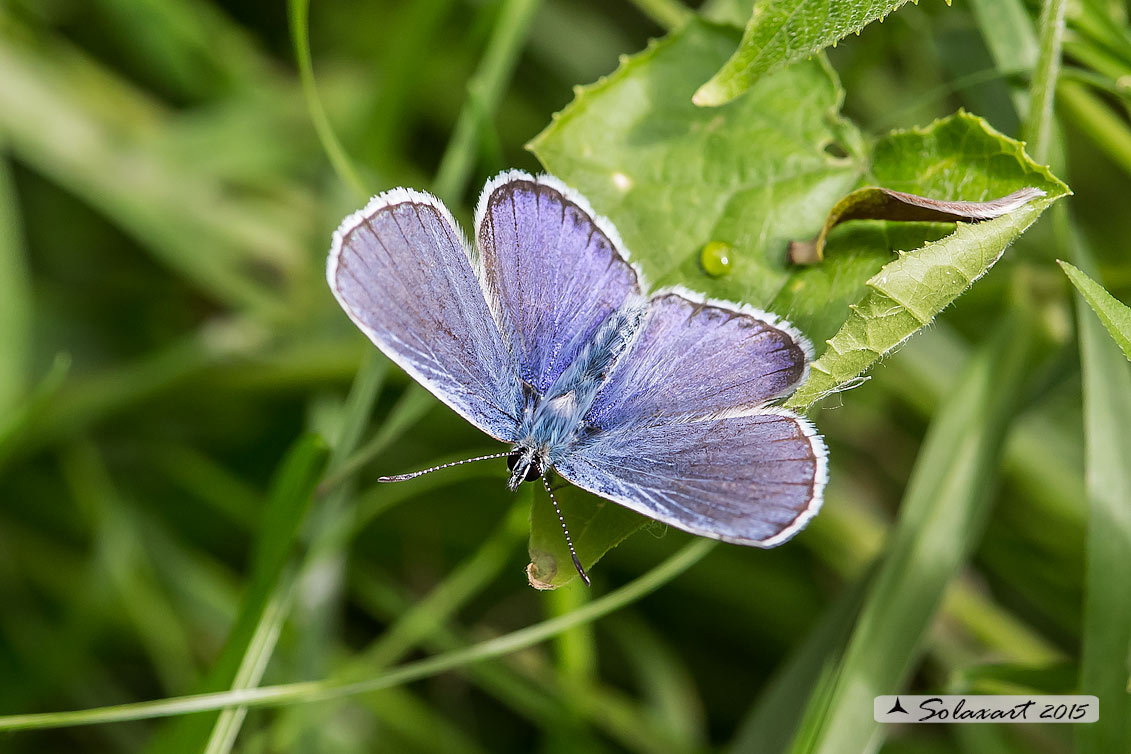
[[533, 471]]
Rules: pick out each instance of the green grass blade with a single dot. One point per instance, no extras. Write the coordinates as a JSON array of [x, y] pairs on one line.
[[484, 93], [941, 519], [1105, 664], [669, 14], [1008, 33], [1039, 121], [15, 296], [252, 637], [663, 673], [1114, 314], [124, 567], [298, 14], [287, 503], [102, 141], [412, 723], [770, 722], [1092, 114], [782, 31], [312, 691], [410, 408], [530, 690], [467, 580], [190, 45], [25, 417], [321, 579], [87, 401]]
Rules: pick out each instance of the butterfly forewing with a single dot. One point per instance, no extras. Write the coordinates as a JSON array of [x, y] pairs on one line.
[[401, 270], [552, 270]]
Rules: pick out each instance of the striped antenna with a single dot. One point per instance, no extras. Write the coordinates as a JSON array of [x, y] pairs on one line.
[[422, 472], [569, 542]]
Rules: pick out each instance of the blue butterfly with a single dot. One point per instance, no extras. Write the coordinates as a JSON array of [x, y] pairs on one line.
[[541, 335]]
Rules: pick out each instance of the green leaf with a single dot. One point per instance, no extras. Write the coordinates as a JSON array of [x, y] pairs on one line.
[[675, 177], [959, 157], [782, 31], [596, 526], [905, 296], [755, 174], [1115, 315]]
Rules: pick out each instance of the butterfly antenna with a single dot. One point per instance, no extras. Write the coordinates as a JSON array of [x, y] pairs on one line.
[[569, 541], [422, 472]]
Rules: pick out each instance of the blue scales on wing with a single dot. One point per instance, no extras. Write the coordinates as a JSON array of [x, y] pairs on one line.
[[681, 431], [695, 359], [552, 271], [754, 479], [401, 270]]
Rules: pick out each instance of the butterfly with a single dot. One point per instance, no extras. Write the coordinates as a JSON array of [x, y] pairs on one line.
[[541, 335]]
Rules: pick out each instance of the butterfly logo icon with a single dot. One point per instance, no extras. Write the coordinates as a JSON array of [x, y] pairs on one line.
[[542, 335]]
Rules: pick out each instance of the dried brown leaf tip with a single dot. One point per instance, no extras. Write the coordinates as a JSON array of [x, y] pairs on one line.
[[874, 203]]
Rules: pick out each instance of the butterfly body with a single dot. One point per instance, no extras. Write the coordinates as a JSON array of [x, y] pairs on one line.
[[555, 423], [543, 337]]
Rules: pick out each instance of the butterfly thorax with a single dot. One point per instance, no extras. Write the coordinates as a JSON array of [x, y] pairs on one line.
[[555, 422]]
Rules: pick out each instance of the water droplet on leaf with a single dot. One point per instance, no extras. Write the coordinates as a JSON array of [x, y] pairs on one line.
[[717, 258]]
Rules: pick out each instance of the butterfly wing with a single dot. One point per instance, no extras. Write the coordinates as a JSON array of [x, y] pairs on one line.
[[552, 269], [681, 431], [696, 358], [752, 480], [402, 271]]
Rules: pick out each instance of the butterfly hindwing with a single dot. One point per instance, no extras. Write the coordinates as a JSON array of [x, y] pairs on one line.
[[402, 272], [681, 430], [695, 358], [754, 479]]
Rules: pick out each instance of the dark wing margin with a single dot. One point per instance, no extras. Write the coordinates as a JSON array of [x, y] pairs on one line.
[[553, 271], [401, 270], [754, 479], [696, 358]]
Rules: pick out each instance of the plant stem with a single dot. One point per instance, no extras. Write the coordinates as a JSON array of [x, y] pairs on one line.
[[1038, 123], [670, 14], [466, 581], [1089, 113], [484, 92], [298, 12]]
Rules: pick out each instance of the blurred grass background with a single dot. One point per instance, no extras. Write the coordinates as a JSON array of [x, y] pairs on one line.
[[168, 345]]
